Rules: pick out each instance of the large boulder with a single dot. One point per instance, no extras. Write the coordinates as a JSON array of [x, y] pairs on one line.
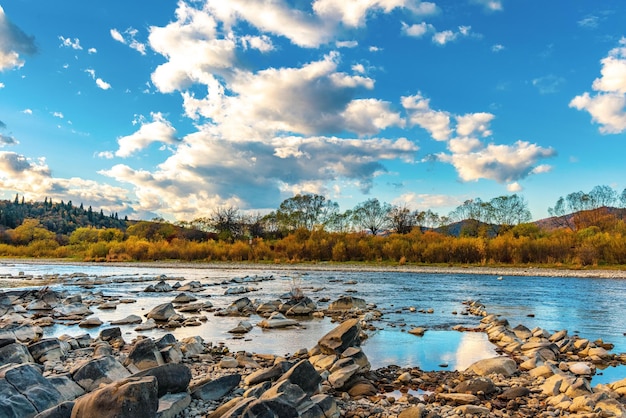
[[497, 365], [144, 354], [212, 390], [105, 369], [15, 353], [49, 349], [13, 403], [162, 312], [304, 375], [345, 335], [132, 397], [28, 381], [172, 378]]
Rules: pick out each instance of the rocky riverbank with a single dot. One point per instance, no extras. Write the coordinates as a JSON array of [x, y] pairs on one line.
[[540, 374]]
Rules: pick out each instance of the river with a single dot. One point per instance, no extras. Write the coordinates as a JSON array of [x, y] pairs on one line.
[[592, 308]]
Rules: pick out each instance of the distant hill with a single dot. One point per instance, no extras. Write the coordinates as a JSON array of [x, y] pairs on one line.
[[60, 218], [596, 217]]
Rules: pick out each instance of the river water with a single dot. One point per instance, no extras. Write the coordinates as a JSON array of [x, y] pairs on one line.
[[591, 308]]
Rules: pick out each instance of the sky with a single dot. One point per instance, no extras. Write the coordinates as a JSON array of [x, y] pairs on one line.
[[172, 109]]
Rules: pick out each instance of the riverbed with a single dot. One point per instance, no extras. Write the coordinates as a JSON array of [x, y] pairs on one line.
[[592, 307]]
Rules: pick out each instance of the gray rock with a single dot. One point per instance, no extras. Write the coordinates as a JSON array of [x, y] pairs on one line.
[[172, 378], [270, 373], [130, 319], [15, 353], [49, 349], [100, 370], [212, 390], [304, 375], [72, 309], [13, 403], [338, 340], [347, 303], [62, 410], [479, 384], [172, 404], [277, 320], [162, 312], [184, 298], [327, 404], [68, 389], [27, 379], [143, 355], [132, 397]]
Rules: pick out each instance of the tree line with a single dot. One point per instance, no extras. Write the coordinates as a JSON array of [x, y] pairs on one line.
[[584, 229]]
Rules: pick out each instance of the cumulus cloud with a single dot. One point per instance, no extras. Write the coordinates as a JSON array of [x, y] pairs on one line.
[[34, 179], [346, 44], [158, 130], [212, 171], [437, 123], [129, 37], [13, 44], [607, 106], [502, 163], [470, 156], [1, 85], [444, 37], [312, 99], [417, 30]]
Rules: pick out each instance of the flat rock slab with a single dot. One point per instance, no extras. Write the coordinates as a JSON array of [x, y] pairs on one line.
[[215, 389]]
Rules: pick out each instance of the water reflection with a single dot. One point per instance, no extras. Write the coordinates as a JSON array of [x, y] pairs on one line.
[[436, 350]]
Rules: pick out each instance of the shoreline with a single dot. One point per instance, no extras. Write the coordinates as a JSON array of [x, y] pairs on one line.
[[472, 270]]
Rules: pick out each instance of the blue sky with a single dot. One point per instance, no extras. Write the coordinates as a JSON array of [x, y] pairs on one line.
[[172, 109]]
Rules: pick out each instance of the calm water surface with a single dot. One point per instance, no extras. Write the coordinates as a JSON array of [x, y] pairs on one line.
[[592, 308]]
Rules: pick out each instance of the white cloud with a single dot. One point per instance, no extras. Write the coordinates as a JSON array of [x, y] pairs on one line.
[[212, 171], [102, 84], [514, 187], [33, 179], [69, 43], [590, 21], [608, 105], [92, 51], [502, 163], [498, 48], [354, 13], [27, 111], [261, 43], [374, 49], [358, 68], [490, 5], [1, 85], [446, 36], [306, 100], [115, 34], [346, 44], [58, 115], [129, 38], [13, 43], [417, 30], [370, 116], [437, 123], [159, 130], [474, 123], [421, 201]]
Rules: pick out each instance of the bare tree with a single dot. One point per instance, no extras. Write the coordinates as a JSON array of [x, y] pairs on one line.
[[401, 219], [508, 211], [372, 215]]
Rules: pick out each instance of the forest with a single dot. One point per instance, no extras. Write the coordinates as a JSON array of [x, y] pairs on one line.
[[585, 229]]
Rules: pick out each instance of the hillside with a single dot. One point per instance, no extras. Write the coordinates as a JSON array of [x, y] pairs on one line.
[[60, 218]]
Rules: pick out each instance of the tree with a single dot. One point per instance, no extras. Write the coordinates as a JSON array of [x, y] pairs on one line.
[[227, 222], [305, 211], [579, 210], [508, 211], [402, 219], [372, 215]]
